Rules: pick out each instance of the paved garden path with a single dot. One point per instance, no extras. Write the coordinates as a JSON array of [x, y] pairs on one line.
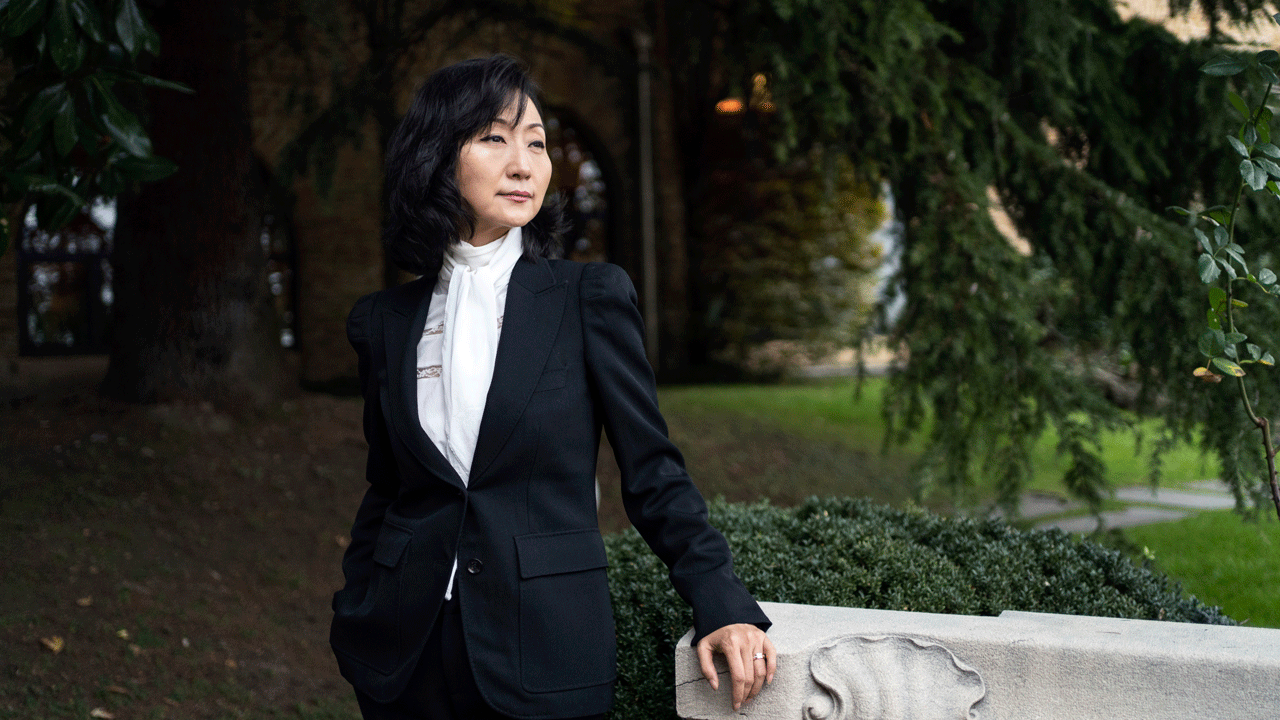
[[1143, 505]]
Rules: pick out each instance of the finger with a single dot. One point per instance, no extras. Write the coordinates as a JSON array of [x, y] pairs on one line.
[[708, 667], [737, 672], [757, 681], [771, 660], [748, 669]]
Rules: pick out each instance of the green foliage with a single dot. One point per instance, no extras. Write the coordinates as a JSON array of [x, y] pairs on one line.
[[67, 136], [788, 256], [1081, 123], [853, 553], [1220, 255]]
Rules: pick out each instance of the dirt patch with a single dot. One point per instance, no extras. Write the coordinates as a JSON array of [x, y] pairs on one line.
[[180, 559]]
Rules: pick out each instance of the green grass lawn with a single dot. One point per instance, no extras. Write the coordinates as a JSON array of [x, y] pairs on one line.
[[1223, 560], [829, 412]]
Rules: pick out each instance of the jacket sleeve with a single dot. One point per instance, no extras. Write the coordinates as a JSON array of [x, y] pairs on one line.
[[658, 495], [380, 469]]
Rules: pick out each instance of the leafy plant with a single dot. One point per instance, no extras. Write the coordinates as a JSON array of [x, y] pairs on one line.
[[67, 135], [1222, 265], [854, 553]]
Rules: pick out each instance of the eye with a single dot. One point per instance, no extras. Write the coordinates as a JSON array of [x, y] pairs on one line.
[[538, 144], [493, 138]]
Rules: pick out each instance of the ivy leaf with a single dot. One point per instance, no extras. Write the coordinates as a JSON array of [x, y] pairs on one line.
[[1266, 276], [88, 18], [23, 14], [44, 107], [1237, 102], [1208, 269], [1235, 337], [1228, 367], [130, 27], [1203, 240], [64, 126], [1269, 149], [1268, 75], [1239, 146], [1224, 66], [1239, 303], [1236, 253], [1212, 318], [1220, 237], [64, 42], [1254, 176], [1263, 124], [1228, 268], [1268, 56], [1210, 343], [120, 124], [149, 81], [1219, 215], [146, 169], [1217, 296], [1254, 351], [1206, 375], [1267, 359], [1250, 135], [1180, 210]]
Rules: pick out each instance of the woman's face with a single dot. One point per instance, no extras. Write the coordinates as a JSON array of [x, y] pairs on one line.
[[503, 173]]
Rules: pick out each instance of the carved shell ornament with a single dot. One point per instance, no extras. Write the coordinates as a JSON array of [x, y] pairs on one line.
[[891, 677]]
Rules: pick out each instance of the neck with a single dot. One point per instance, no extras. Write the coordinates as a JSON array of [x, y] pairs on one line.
[[487, 235]]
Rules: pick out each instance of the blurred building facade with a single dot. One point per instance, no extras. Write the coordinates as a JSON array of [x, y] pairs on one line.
[[323, 244], [323, 247]]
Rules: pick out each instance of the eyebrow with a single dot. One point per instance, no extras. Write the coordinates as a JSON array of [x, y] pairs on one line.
[[509, 124]]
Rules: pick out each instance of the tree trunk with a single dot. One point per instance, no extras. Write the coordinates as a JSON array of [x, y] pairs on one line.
[[192, 312]]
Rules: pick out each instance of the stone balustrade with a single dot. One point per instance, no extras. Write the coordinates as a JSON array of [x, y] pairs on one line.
[[850, 664]]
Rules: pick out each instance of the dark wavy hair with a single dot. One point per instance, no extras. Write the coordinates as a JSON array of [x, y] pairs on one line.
[[425, 210]]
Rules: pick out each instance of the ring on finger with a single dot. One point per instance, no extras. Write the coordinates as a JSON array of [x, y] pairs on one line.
[[758, 656]]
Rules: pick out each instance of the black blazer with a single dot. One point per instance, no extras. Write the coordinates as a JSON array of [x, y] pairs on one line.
[[531, 575]]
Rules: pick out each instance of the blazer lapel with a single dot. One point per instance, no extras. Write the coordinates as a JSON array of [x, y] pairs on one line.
[[535, 305], [403, 323]]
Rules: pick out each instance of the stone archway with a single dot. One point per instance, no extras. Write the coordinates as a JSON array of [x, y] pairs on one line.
[[584, 174]]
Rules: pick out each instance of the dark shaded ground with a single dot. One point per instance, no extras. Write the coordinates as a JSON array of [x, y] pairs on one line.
[[184, 557]]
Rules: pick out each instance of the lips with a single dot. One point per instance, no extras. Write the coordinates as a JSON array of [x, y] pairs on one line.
[[518, 194]]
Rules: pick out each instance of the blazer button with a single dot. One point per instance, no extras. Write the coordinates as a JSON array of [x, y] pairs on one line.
[[474, 566]]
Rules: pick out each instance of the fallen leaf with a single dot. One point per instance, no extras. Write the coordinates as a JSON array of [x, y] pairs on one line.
[[342, 540], [122, 634], [135, 649], [116, 689], [101, 713], [55, 643], [171, 702], [231, 663], [85, 601]]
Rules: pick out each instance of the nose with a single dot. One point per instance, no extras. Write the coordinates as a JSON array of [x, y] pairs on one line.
[[521, 166]]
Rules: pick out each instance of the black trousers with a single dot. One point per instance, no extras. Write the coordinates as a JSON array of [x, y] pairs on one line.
[[442, 686]]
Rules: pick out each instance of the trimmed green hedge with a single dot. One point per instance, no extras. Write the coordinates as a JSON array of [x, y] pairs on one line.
[[854, 553]]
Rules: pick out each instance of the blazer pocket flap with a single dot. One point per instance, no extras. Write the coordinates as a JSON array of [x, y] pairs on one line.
[[392, 541], [560, 552]]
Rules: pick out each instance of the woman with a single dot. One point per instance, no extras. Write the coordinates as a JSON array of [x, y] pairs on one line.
[[475, 577]]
